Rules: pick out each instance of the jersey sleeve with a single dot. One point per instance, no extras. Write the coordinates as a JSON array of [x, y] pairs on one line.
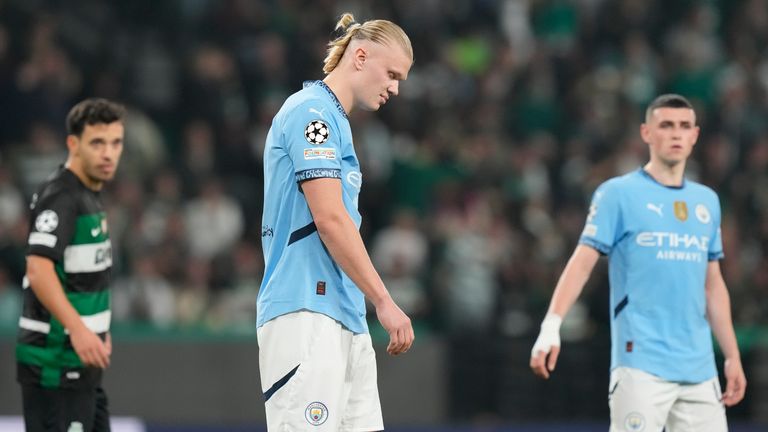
[[603, 220], [312, 141], [716, 245], [53, 226]]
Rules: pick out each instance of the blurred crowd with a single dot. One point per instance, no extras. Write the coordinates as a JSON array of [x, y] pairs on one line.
[[476, 179]]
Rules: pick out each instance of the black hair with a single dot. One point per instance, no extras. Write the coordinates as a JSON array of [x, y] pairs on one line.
[[93, 111]]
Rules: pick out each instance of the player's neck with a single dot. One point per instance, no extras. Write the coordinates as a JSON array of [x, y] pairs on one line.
[[79, 172], [666, 174], [338, 85]]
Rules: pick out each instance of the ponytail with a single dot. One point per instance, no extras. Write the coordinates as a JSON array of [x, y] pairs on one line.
[[379, 31]]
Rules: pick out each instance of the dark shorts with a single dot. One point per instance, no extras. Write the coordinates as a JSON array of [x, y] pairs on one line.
[[55, 410]]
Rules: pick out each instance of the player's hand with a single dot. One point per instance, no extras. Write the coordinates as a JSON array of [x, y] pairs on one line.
[[93, 352], [736, 382], [108, 343], [398, 325], [547, 347]]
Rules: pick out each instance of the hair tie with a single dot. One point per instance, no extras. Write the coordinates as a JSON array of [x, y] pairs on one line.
[[339, 33]]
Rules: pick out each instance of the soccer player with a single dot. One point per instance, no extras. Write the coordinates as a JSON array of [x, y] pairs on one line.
[[661, 233], [64, 343], [317, 364]]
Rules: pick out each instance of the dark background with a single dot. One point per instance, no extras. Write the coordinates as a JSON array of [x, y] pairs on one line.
[[477, 180]]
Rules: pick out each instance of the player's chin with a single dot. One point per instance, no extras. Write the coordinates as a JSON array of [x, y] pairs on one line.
[[106, 176]]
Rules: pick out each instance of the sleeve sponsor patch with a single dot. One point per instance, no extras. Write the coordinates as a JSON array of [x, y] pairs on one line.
[[44, 239], [317, 173], [320, 153], [590, 230], [47, 221]]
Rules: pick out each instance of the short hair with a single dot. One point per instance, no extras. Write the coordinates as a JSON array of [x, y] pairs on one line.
[[669, 100], [379, 31], [93, 111]]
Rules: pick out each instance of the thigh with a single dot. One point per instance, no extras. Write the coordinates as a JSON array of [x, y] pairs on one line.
[[699, 409], [639, 401], [363, 408], [101, 416], [303, 363], [50, 410]]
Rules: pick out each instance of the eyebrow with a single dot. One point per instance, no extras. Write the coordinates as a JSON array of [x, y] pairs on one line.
[[398, 75], [99, 140], [671, 122]]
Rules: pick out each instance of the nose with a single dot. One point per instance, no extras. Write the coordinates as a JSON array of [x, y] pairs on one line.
[[109, 153], [394, 88]]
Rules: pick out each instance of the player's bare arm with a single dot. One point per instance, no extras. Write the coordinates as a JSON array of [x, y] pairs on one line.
[[46, 286], [340, 235], [719, 315], [575, 275]]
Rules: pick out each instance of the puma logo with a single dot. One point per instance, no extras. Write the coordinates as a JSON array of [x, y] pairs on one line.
[[655, 208], [320, 113]]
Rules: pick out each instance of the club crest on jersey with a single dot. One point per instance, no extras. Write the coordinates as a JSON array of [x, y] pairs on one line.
[[681, 210], [47, 221], [702, 214], [317, 132], [316, 413], [634, 422]]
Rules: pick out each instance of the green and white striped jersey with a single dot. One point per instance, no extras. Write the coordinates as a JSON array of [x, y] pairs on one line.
[[67, 225]]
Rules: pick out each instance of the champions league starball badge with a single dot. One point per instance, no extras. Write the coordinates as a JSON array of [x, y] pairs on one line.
[[316, 132], [47, 221]]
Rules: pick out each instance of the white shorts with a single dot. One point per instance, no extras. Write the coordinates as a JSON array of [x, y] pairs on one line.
[[640, 401], [317, 376]]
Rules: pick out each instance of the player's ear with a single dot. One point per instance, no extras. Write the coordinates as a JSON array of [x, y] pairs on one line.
[[696, 131], [72, 142], [644, 132], [360, 56]]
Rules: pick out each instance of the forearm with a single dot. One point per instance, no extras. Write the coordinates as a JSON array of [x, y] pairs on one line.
[[341, 237], [47, 288], [720, 320], [719, 311]]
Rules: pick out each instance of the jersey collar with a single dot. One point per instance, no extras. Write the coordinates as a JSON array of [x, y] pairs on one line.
[[330, 92], [647, 175], [70, 177]]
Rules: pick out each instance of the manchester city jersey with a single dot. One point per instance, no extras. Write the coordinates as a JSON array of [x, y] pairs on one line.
[[310, 138], [659, 241]]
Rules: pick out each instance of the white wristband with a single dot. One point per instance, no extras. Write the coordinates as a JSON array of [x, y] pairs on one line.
[[549, 336]]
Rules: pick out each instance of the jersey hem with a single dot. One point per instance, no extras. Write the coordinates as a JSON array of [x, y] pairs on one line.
[[668, 377], [360, 328]]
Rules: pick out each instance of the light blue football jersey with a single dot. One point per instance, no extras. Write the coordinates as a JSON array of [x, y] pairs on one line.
[[659, 241], [310, 138]]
